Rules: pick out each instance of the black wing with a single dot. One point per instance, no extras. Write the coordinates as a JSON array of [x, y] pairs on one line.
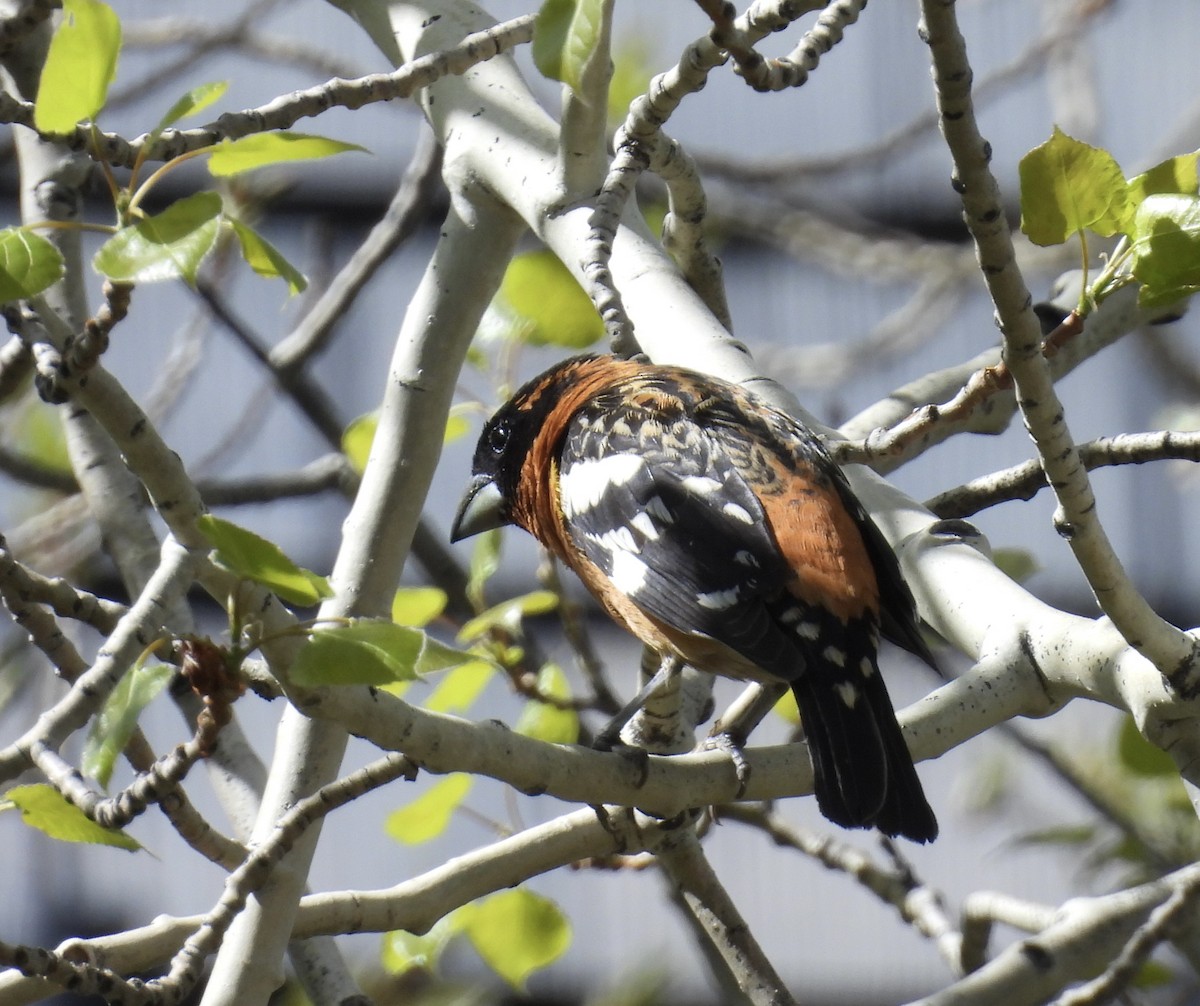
[[666, 516]]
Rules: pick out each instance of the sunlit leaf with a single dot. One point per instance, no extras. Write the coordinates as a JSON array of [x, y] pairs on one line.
[[551, 307], [460, 687], [418, 605], [1068, 186], [367, 651], [1140, 756], [1016, 563], [168, 245], [259, 150], [265, 259], [80, 65], [485, 560], [508, 614], [429, 814], [786, 707], [113, 727], [44, 808], [264, 562], [1174, 176], [632, 70], [29, 264], [196, 100], [1166, 248], [403, 951], [357, 439], [545, 722], [564, 38], [517, 932]]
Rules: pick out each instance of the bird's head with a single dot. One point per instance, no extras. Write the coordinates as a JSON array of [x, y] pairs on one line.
[[492, 497]]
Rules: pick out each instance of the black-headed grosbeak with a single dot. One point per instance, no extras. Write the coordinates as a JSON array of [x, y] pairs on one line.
[[718, 531]]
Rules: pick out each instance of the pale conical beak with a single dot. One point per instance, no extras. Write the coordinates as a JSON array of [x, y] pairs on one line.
[[482, 509]]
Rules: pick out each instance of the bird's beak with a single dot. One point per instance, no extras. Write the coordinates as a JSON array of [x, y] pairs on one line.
[[482, 509]]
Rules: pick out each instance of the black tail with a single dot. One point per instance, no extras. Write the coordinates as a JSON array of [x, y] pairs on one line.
[[864, 775]]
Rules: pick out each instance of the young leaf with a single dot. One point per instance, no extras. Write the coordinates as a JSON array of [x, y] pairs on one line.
[[437, 656], [632, 70], [459, 689], [44, 808], [263, 561], [508, 614], [403, 951], [418, 605], [169, 245], [196, 100], [112, 729], [552, 307], [1174, 176], [427, 816], [265, 259], [29, 264], [259, 150], [80, 65], [368, 651], [1068, 186], [1140, 756], [1166, 248], [357, 439], [517, 932], [485, 560], [545, 722], [564, 38]]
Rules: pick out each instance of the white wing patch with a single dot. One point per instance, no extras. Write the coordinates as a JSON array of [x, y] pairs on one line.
[[584, 484], [701, 485], [737, 512], [628, 573], [718, 600], [644, 523], [848, 692]]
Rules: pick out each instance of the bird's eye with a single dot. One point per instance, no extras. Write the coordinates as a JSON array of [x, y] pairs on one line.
[[498, 436]]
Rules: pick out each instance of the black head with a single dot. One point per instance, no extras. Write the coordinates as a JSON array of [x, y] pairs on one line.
[[503, 445]]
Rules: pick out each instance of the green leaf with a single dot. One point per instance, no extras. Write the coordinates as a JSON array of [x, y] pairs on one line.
[[508, 614], [1153, 974], [787, 709], [418, 605], [459, 689], [196, 100], [545, 722], [517, 932], [1166, 248], [113, 727], [265, 259], [1174, 176], [551, 307], [632, 71], [485, 560], [457, 424], [263, 561], [436, 656], [564, 38], [1068, 186], [44, 808], [29, 264], [429, 814], [367, 651], [80, 65], [404, 951], [1140, 756], [360, 434], [1016, 563], [169, 245], [357, 439], [259, 150]]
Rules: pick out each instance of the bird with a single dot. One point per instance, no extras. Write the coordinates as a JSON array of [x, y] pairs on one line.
[[718, 530]]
